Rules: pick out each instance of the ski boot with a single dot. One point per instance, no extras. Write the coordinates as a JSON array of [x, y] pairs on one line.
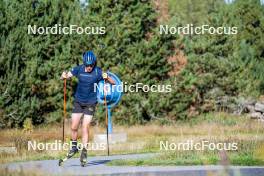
[[83, 157], [71, 152]]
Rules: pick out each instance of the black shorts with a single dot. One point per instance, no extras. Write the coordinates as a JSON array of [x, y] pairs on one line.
[[86, 109]]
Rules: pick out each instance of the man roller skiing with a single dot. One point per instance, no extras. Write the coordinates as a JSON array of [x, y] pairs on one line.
[[85, 100]]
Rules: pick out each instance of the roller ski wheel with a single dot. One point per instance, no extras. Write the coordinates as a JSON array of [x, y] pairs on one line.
[[83, 157], [60, 162], [83, 164]]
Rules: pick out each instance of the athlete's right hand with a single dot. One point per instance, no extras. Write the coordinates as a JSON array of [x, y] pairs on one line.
[[64, 75]]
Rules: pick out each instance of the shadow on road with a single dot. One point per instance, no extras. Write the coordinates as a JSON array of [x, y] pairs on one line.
[[93, 163]]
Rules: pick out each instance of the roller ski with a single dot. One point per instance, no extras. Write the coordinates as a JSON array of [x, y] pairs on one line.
[[70, 154], [83, 157]]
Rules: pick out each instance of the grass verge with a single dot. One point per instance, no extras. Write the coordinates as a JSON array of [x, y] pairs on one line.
[[214, 127]]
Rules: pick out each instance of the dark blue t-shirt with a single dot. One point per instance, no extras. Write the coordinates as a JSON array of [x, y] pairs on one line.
[[86, 89]]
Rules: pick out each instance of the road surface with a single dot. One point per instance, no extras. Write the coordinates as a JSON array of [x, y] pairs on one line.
[[97, 166]]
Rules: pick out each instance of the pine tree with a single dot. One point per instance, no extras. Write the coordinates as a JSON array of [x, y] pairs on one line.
[[133, 49], [130, 47], [221, 65], [31, 64]]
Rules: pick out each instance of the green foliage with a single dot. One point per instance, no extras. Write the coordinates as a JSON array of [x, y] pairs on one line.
[[221, 65], [191, 11], [133, 49], [27, 125], [31, 64]]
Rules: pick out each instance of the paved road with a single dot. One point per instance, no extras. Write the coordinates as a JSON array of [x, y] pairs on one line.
[[97, 166]]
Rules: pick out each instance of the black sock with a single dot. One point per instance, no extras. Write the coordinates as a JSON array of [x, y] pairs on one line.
[[73, 144]]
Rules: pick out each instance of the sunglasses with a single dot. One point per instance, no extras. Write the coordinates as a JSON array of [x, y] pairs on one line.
[[89, 65]]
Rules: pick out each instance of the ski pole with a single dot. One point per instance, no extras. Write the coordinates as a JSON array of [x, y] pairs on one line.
[[64, 108], [106, 119]]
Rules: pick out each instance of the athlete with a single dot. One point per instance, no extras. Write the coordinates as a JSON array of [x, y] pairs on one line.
[[85, 100]]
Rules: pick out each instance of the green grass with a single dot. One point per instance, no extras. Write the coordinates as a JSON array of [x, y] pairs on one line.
[[225, 128], [191, 159], [242, 160]]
